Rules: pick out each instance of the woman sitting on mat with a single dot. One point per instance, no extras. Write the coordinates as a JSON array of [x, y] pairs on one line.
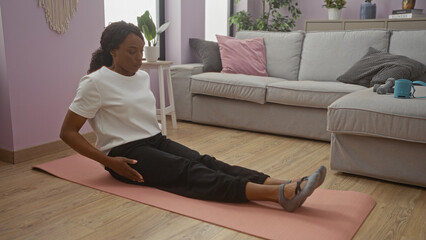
[[116, 98]]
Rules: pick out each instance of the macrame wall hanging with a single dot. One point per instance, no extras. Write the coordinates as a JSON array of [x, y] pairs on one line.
[[58, 13]]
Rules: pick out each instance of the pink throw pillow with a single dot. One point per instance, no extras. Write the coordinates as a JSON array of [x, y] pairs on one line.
[[242, 56]]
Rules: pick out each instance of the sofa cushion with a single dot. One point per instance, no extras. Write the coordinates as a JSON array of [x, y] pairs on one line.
[[233, 86], [209, 53], [242, 56], [367, 113], [282, 51], [376, 67], [407, 43], [327, 55], [308, 93]]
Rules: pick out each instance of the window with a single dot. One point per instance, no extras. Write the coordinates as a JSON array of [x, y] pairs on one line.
[[217, 18], [129, 10]]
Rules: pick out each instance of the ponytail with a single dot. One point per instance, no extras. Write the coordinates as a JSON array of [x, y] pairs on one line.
[[100, 58]]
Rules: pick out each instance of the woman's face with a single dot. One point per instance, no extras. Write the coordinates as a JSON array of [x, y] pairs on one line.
[[127, 58]]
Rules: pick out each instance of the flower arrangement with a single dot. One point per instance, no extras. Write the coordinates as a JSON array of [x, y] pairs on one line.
[[339, 4]]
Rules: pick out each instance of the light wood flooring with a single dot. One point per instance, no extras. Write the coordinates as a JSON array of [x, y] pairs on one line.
[[35, 205]]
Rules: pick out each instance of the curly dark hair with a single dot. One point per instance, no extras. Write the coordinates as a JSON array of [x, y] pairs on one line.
[[113, 35]]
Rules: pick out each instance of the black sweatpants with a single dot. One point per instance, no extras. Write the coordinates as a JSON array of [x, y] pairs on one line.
[[172, 167]]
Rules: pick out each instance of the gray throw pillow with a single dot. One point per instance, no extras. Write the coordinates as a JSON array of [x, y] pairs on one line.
[[209, 53], [377, 67]]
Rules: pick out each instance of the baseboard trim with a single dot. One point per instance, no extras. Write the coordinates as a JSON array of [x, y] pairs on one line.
[[39, 151], [6, 155]]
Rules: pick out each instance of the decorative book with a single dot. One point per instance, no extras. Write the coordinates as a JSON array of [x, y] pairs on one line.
[[406, 15], [402, 11]]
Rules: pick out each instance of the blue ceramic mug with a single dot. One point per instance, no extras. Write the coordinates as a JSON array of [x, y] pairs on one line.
[[403, 88]]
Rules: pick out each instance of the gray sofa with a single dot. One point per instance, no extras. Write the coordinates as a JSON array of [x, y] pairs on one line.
[[295, 99]]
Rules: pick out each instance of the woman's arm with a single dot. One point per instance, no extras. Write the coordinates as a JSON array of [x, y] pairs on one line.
[[71, 136]]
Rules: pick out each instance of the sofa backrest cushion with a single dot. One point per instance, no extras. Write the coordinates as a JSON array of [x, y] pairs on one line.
[[327, 55], [410, 43], [282, 51]]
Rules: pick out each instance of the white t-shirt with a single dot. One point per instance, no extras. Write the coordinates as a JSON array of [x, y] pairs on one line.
[[119, 108]]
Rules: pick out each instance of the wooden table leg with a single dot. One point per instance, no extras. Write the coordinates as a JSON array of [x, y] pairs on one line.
[[162, 100], [171, 98]]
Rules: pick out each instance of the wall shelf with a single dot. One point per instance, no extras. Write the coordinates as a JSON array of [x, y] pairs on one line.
[[357, 24]]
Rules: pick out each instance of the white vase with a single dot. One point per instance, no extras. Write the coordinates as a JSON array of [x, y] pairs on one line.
[[334, 13], [152, 53]]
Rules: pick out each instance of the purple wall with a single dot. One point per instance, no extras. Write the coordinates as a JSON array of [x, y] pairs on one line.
[[173, 33], [187, 21], [42, 69]]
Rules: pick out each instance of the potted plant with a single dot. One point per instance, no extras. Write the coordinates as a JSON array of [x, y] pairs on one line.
[[334, 8], [367, 10], [147, 26], [271, 18]]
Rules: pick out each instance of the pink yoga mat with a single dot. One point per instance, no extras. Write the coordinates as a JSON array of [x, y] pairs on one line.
[[327, 214]]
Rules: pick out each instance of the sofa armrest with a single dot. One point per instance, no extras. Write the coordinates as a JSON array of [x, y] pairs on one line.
[[181, 79]]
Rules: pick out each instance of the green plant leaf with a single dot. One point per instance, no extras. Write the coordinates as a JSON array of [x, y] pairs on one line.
[[163, 27], [147, 26], [242, 20], [339, 4], [147, 34]]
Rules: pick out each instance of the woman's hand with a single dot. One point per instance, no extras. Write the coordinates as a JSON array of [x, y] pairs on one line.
[[70, 134], [120, 165]]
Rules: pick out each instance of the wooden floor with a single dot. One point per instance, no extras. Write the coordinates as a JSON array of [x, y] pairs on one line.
[[35, 205]]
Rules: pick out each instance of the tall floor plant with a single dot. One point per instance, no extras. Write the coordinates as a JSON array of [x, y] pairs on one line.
[[271, 19]]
